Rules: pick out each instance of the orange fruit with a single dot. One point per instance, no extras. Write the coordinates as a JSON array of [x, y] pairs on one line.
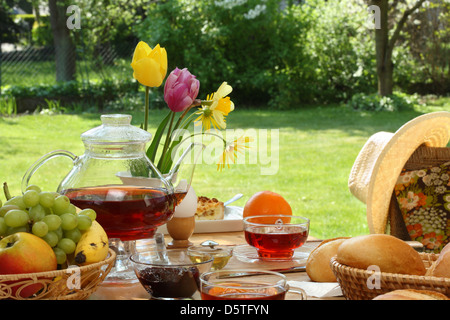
[[266, 203]]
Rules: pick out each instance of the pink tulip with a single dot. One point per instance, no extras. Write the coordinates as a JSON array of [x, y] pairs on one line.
[[181, 89]]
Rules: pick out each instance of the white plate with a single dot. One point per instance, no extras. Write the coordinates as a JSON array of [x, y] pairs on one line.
[[246, 253], [232, 221]]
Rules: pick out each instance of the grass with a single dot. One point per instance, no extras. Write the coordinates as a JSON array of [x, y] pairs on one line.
[[315, 150], [43, 72]]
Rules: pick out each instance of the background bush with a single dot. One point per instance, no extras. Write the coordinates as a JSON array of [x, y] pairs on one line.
[[373, 102], [272, 52], [253, 45]]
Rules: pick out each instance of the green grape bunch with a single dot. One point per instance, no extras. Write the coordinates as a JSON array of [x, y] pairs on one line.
[[48, 215]]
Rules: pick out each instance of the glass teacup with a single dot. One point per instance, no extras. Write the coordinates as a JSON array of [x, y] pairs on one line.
[[276, 237], [242, 284]]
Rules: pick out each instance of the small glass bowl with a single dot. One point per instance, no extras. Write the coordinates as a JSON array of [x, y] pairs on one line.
[[220, 254], [170, 274]]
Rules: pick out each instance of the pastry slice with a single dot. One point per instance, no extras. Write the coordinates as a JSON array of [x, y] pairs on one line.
[[209, 209]]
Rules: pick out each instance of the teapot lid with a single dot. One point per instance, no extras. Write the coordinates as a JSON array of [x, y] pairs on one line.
[[116, 128]]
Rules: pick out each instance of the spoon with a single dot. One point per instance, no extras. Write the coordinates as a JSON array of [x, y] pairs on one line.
[[160, 246], [235, 198]]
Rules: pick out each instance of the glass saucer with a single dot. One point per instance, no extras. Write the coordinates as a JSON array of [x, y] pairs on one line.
[[247, 253]]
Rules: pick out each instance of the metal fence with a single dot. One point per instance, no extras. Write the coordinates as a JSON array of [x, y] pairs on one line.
[[28, 77], [33, 65]]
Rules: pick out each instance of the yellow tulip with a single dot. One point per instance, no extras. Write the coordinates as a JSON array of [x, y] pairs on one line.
[[149, 65]]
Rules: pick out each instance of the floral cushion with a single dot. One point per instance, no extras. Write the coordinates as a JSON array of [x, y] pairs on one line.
[[424, 200]]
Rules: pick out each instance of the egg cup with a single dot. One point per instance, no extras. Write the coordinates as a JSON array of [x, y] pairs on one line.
[[180, 229]]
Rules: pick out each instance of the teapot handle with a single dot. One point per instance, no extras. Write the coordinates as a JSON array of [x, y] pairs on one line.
[[57, 153]]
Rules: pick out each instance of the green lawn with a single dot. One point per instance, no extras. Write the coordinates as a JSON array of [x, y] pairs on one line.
[[43, 72], [316, 149]]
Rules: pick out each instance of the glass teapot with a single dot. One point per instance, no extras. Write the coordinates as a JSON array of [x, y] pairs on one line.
[[115, 178]]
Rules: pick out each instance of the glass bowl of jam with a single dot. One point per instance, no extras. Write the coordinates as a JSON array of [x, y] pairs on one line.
[[170, 274]]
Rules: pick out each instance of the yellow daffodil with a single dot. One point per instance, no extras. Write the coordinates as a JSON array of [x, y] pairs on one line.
[[231, 151], [216, 107], [149, 65]]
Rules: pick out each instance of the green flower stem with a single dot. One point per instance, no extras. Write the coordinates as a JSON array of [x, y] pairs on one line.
[[183, 121], [147, 89], [188, 120], [153, 149], [166, 143], [177, 125], [164, 161], [196, 103]]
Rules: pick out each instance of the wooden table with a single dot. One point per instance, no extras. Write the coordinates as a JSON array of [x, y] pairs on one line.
[[237, 238], [136, 291]]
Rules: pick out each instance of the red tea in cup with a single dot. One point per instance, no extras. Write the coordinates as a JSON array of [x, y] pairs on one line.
[[277, 240]]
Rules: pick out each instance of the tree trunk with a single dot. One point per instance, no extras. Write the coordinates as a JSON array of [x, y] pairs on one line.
[[386, 79], [385, 66], [64, 47], [384, 46]]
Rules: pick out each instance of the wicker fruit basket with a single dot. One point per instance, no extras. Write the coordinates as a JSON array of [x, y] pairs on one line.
[[66, 284], [354, 282]]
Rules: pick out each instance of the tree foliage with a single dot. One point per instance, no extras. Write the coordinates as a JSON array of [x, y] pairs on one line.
[[285, 53], [8, 28], [253, 45]]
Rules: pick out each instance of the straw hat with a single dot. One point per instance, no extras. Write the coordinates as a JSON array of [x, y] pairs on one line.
[[382, 158]]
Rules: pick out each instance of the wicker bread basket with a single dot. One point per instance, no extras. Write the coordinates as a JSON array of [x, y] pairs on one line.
[[354, 282], [59, 284]]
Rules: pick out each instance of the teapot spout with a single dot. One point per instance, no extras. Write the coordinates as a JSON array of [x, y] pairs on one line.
[[182, 172]]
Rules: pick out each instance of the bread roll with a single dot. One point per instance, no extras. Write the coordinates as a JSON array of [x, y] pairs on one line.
[[410, 294], [387, 252], [441, 267], [318, 263]]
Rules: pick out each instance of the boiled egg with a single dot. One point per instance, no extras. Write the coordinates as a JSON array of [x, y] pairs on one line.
[[188, 205]]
